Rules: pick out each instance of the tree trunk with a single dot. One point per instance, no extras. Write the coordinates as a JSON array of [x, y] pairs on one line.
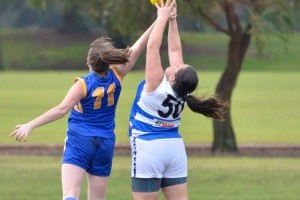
[[224, 136], [1, 57], [72, 21]]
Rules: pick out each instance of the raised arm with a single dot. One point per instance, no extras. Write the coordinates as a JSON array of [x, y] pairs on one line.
[[154, 70], [174, 42], [136, 50]]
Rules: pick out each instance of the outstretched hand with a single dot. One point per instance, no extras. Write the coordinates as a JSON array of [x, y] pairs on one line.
[[167, 9], [21, 132], [174, 11]]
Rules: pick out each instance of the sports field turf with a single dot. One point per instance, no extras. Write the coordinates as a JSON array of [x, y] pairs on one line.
[[264, 107], [210, 178]]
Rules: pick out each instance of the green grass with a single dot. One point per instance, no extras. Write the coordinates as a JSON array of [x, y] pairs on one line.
[[210, 178], [264, 107]]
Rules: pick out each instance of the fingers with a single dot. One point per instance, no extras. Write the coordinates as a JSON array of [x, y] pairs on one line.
[[163, 3], [21, 137], [166, 8], [168, 3], [173, 16], [15, 130], [19, 134], [156, 5]]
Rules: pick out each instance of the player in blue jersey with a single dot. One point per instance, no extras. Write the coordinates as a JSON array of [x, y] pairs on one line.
[[159, 160], [92, 100]]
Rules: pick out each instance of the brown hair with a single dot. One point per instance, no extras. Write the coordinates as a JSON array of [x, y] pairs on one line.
[[102, 53], [186, 81]]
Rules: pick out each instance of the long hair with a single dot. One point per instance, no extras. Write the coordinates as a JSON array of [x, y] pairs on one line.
[[102, 53], [211, 107], [186, 81]]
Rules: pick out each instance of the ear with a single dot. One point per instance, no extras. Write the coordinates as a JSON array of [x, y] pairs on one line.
[[172, 78]]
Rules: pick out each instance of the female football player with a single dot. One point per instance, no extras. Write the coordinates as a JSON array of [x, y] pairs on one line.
[[159, 160], [92, 100]]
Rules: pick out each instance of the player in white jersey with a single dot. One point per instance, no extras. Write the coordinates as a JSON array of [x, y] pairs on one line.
[[159, 160]]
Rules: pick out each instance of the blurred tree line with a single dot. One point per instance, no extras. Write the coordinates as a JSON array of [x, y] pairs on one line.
[[79, 16], [243, 21]]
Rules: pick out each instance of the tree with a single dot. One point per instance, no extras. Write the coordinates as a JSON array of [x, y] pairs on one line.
[[245, 20], [72, 14], [242, 20], [1, 59], [5, 7], [122, 19]]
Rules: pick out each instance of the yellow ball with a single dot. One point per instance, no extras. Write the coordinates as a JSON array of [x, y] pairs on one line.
[[156, 1]]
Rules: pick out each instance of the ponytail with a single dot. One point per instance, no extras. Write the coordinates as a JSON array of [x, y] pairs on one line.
[[211, 107], [186, 81], [115, 56], [102, 53]]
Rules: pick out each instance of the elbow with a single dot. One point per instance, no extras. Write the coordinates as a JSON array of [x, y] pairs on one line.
[[149, 46], [62, 111], [152, 47]]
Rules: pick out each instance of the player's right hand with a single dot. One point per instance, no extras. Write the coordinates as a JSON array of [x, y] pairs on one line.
[[21, 132], [166, 10]]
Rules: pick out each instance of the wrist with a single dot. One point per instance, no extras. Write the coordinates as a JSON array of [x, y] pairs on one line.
[[162, 18], [172, 19]]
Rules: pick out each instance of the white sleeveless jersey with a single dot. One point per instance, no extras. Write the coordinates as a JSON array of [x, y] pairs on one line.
[[156, 115]]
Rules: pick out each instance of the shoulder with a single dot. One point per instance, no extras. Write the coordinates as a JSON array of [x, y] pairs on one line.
[[80, 81], [116, 72], [163, 86]]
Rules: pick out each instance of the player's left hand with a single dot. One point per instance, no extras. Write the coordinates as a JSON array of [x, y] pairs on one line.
[[174, 12]]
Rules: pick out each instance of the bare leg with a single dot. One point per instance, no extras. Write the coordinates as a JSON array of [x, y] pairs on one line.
[[97, 187], [145, 195], [71, 177], [176, 192]]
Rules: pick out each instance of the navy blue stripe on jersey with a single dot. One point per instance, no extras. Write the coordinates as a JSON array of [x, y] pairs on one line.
[[148, 128], [155, 136], [151, 125], [134, 156]]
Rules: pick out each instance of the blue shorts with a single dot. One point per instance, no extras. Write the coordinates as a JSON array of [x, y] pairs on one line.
[[93, 154]]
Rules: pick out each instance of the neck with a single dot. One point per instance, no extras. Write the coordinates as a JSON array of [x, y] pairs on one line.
[[99, 74]]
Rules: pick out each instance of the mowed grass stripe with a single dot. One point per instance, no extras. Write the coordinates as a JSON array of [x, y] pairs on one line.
[[210, 178], [264, 106]]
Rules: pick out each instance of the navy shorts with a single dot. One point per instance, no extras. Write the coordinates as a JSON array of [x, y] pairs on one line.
[[93, 154]]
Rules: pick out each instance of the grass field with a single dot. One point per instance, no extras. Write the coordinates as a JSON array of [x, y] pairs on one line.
[[264, 108], [210, 178]]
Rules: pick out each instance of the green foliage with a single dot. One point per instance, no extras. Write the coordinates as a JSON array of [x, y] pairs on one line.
[[271, 18], [265, 16], [41, 4], [126, 18]]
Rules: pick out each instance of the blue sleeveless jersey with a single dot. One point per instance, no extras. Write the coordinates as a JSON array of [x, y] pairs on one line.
[[156, 115], [94, 115]]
